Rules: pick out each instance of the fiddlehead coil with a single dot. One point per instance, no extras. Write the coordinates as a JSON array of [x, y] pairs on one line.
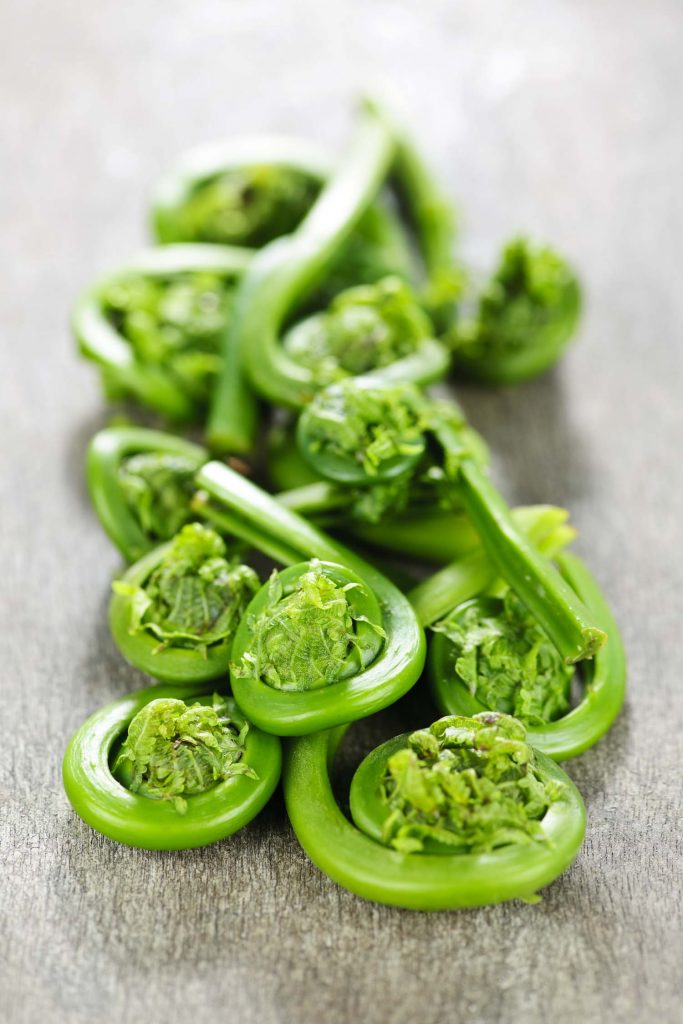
[[365, 328], [509, 849], [468, 785], [524, 318], [506, 661], [158, 489], [187, 772], [175, 612], [140, 483], [314, 625], [174, 750], [541, 685], [155, 327]]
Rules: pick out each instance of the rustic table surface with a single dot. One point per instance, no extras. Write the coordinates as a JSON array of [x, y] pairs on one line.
[[557, 118]]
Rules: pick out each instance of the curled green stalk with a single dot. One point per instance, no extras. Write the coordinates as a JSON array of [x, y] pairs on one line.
[[141, 483], [433, 222], [417, 517], [165, 769], [414, 521], [288, 270], [462, 814], [380, 441], [313, 625], [357, 432], [155, 326], [175, 612], [307, 655], [480, 659], [524, 318], [244, 192], [343, 427], [464, 785], [247, 205], [365, 328], [251, 192], [175, 750], [505, 660]]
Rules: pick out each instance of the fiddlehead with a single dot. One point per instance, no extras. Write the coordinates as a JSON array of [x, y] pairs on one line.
[[412, 842], [175, 612], [245, 192], [174, 750], [251, 191], [254, 191], [506, 661], [364, 328], [480, 660], [527, 313], [286, 272], [525, 317], [356, 432], [314, 625], [337, 452], [155, 327], [140, 483], [361, 632], [169, 769], [247, 206], [464, 784], [158, 490]]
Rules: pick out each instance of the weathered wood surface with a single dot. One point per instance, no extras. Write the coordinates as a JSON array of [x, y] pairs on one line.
[[560, 118]]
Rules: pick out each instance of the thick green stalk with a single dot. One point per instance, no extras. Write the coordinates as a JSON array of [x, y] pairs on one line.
[[313, 499], [559, 611], [433, 535], [469, 574], [281, 275], [428, 210], [256, 516], [226, 522], [429, 213], [233, 418]]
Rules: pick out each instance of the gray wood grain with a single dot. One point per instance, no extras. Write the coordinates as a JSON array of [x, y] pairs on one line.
[[559, 118]]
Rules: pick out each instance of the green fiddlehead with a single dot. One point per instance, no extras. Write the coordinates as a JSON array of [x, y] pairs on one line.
[[367, 653], [253, 191], [246, 192], [364, 328], [158, 489], [317, 624], [411, 843], [170, 769], [287, 271], [337, 452], [174, 750], [174, 613], [248, 206], [463, 785], [155, 327], [506, 660], [140, 483], [519, 666], [523, 320]]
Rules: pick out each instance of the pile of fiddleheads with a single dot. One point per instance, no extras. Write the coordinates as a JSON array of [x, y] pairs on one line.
[[299, 309]]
